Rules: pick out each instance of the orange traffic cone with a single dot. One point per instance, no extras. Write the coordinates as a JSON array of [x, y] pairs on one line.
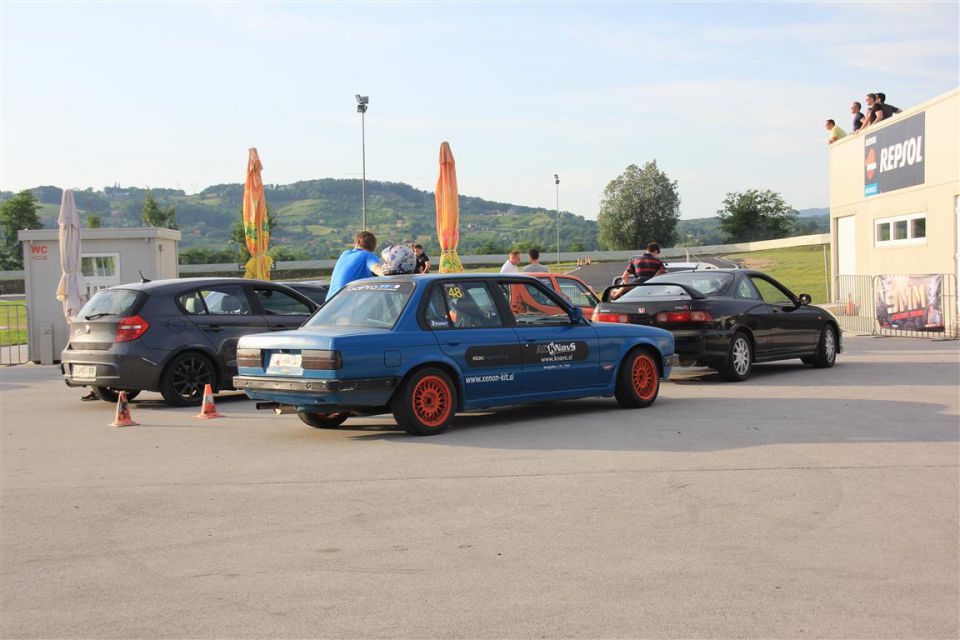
[[209, 410], [123, 418]]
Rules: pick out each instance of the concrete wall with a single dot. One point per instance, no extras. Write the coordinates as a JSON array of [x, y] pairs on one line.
[[148, 250], [936, 197]]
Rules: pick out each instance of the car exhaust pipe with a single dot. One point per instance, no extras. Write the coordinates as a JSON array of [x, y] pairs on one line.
[[276, 407]]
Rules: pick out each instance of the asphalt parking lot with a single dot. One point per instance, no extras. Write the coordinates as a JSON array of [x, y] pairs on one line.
[[800, 504]]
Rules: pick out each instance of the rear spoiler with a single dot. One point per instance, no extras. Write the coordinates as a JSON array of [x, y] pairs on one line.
[[690, 291]]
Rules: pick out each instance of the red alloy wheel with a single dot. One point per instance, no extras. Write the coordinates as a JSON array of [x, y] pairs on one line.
[[432, 401], [645, 377]]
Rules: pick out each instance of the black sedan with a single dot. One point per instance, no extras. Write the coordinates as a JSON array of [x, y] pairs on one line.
[[174, 336], [727, 320]]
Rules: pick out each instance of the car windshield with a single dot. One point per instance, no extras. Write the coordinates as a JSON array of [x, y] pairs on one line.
[[708, 283], [374, 304], [109, 302]]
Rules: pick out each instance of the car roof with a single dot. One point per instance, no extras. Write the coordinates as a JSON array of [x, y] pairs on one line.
[[176, 283]]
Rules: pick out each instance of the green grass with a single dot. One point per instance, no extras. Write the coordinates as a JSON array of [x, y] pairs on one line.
[[13, 323], [801, 269]]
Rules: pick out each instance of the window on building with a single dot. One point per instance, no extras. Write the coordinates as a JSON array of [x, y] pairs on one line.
[[901, 230]]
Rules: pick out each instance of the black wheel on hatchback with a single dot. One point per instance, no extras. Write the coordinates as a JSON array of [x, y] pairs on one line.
[[184, 379]]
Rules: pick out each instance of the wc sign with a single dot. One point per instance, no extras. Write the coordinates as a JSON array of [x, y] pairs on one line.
[[38, 252], [893, 156]]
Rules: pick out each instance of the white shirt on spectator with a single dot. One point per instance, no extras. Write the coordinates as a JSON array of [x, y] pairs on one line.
[[509, 267]]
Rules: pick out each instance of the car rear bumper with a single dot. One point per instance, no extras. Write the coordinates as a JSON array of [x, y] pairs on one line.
[[134, 370], [327, 394], [709, 346]]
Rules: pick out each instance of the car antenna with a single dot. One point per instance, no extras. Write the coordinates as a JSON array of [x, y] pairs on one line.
[[143, 279]]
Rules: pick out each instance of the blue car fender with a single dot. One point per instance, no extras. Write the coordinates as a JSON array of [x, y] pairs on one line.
[[435, 358]]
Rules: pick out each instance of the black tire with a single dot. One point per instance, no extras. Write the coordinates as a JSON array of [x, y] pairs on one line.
[[739, 362], [638, 382], [826, 355], [111, 395], [425, 403], [182, 382], [322, 420]]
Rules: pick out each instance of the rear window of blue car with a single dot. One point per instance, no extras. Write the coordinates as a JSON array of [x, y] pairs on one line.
[[376, 305]]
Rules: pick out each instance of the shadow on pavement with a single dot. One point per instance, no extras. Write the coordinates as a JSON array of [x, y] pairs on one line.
[[686, 425], [843, 374]]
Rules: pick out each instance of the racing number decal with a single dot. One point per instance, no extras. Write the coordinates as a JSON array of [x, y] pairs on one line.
[[454, 292]]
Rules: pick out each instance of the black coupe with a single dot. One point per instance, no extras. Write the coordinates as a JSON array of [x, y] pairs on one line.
[[727, 320]]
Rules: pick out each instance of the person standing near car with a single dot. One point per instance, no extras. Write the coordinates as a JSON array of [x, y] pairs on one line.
[[423, 260], [535, 266], [356, 264], [510, 266], [642, 268]]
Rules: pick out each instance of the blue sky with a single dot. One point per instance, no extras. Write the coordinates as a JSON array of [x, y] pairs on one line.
[[725, 97]]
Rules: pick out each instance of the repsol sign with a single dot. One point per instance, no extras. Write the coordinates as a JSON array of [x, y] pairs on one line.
[[894, 156]]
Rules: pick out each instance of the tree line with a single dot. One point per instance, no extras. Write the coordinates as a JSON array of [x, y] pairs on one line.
[[639, 206], [642, 205]]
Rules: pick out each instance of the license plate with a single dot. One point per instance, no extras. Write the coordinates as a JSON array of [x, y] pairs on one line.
[[84, 371], [285, 360]]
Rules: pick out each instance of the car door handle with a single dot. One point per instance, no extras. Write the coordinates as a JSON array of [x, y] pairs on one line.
[[213, 328], [452, 343], [529, 339]]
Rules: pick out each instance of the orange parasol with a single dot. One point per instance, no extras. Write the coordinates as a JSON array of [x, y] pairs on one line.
[[448, 212], [255, 227]]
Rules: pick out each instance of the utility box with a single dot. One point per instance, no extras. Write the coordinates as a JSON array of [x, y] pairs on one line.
[[108, 257]]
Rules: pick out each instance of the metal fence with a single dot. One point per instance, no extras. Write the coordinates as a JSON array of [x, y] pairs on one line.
[[916, 306], [14, 323]]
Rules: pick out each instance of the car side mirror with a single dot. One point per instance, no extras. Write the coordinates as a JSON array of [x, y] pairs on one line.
[[805, 299], [576, 315]]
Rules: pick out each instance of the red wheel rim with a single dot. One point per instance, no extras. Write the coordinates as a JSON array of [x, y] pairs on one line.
[[432, 401], [645, 378]]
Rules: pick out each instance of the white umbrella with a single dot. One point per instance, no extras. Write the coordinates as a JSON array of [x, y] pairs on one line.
[[70, 290]]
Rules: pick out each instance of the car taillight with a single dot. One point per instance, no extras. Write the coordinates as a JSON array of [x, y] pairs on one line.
[[131, 328], [665, 317], [249, 358], [610, 317], [317, 359]]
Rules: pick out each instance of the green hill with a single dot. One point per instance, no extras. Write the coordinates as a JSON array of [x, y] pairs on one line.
[[317, 219]]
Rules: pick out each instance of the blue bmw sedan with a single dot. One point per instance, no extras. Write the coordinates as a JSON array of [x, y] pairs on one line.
[[424, 347]]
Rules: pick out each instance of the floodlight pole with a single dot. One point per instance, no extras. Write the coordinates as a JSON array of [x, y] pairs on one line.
[[556, 179], [362, 102]]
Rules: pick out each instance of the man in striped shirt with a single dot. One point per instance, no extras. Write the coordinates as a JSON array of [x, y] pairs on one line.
[[642, 268]]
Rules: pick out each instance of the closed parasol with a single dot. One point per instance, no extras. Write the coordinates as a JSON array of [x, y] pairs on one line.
[[70, 291], [448, 212], [256, 229]]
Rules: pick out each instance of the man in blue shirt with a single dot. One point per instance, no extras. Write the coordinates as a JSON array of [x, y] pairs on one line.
[[356, 264]]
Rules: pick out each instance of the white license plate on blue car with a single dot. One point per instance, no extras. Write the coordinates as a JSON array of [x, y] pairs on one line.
[[285, 360]]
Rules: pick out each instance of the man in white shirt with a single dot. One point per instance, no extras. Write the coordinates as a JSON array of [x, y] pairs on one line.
[[511, 265]]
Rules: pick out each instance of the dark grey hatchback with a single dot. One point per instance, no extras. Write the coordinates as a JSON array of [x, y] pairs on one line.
[[174, 336]]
